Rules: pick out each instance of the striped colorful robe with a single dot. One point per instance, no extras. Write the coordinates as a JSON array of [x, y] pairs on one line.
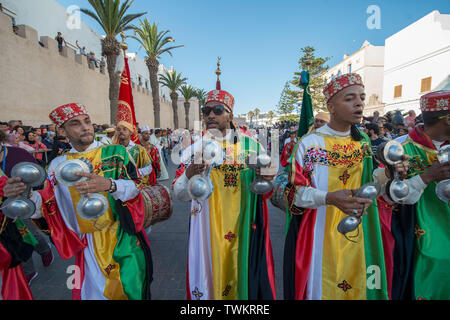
[[16, 246], [319, 262], [113, 256], [16, 241], [142, 159], [421, 238], [230, 252], [154, 156]]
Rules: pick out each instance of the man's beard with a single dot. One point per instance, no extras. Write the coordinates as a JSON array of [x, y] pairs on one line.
[[83, 141]]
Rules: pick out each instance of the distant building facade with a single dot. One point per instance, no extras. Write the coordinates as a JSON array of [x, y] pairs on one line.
[[417, 61], [368, 62]]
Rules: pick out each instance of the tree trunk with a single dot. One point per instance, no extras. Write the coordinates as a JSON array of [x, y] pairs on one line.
[[187, 106], [174, 97], [111, 49], [153, 66]]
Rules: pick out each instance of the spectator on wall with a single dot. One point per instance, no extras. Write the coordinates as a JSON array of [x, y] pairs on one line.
[[82, 49], [93, 59], [59, 38]]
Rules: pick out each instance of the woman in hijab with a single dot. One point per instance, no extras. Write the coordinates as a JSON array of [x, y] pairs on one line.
[[14, 141]]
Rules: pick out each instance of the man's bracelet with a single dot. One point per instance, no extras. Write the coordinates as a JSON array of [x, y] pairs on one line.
[[113, 186]]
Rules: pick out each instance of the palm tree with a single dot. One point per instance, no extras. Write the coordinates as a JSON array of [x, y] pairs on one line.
[[188, 92], [173, 81], [256, 112], [113, 19], [201, 96], [271, 115], [251, 114], [154, 43]]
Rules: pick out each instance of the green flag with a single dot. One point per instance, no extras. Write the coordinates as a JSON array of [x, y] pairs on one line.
[[306, 116]]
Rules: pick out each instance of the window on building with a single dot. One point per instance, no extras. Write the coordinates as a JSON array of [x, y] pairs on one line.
[[140, 81], [349, 68], [398, 91], [339, 73], [425, 85]]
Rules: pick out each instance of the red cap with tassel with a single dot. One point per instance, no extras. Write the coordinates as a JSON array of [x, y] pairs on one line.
[[220, 95]]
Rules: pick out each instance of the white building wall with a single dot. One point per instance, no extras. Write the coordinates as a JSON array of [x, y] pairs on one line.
[[48, 17], [368, 62], [418, 51]]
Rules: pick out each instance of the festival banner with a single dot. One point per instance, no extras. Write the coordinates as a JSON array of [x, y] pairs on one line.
[[125, 107]]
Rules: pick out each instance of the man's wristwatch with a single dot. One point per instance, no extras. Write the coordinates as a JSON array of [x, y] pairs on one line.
[[113, 187]]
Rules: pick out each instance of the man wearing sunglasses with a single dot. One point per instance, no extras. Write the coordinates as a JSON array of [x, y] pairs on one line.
[[229, 252]]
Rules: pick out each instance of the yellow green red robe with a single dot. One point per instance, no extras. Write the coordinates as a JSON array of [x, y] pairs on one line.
[[319, 262], [421, 238], [229, 251], [112, 253]]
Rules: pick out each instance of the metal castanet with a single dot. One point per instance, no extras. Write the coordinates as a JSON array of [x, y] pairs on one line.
[[92, 206], [32, 175], [280, 183], [260, 186], [158, 204], [200, 186], [348, 224], [66, 172], [390, 154]]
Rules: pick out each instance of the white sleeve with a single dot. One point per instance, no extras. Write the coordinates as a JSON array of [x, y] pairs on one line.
[[309, 197], [126, 190], [145, 171], [416, 188], [180, 188], [37, 199]]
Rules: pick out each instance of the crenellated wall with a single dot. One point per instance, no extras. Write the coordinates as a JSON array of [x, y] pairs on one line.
[[35, 79]]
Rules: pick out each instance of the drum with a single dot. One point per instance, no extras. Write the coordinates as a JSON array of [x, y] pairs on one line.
[[279, 183], [158, 204]]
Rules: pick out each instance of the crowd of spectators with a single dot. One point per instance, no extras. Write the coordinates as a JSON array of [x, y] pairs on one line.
[[47, 141]]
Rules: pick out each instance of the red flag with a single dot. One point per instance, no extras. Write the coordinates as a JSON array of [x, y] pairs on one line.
[[125, 107]]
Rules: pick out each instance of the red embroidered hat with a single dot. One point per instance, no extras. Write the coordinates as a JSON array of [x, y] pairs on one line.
[[64, 113], [340, 83], [435, 101], [219, 95]]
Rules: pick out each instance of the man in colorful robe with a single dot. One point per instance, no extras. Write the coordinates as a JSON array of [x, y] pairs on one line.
[[420, 225], [328, 166], [229, 250], [16, 241], [153, 153], [112, 253], [138, 153], [287, 150]]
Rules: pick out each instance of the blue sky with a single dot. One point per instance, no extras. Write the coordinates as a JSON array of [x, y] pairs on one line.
[[260, 41]]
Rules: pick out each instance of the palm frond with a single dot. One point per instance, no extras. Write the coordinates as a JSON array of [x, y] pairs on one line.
[[111, 16]]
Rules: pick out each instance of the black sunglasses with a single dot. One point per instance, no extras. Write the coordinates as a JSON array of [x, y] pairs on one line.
[[218, 110]]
